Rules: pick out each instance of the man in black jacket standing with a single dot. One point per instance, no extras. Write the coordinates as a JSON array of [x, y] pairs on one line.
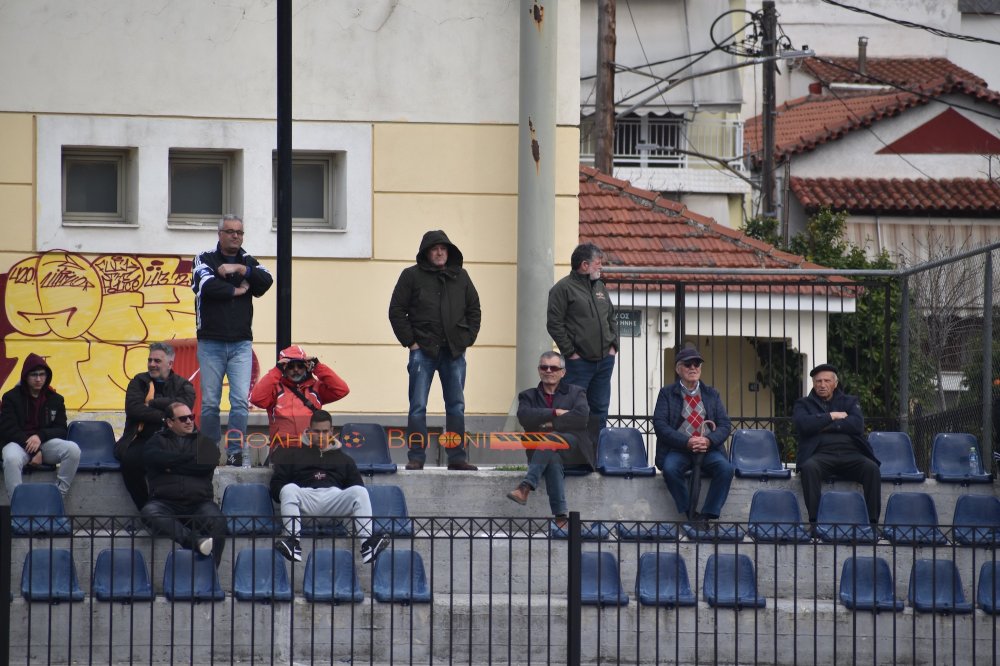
[[314, 477], [146, 400], [33, 425], [434, 312], [225, 282], [830, 429], [179, 466]]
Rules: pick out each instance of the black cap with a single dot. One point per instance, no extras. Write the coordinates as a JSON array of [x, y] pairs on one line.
[[823, 367], [688, 354]]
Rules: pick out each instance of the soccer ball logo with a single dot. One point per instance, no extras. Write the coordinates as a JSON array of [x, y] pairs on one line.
[[352, 439]]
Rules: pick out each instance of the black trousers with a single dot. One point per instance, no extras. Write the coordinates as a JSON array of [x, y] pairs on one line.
[[845, 463], [187, 524], [134, 475]]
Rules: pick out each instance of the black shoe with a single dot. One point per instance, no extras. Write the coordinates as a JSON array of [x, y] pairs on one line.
[[235, 459], [372, 546], [462, 466], [289, 549], [414, 465]]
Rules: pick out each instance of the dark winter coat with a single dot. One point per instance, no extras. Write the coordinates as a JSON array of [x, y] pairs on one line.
[[812, 421], [218, 314], [14, 410], [143, 419], [580, 317], [535, 415], [309, 467], [667, 420], [179, 468]]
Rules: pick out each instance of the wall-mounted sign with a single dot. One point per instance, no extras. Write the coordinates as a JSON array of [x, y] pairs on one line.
[[629, 323]]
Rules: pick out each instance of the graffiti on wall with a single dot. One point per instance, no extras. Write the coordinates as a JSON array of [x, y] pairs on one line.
[[92, 318]]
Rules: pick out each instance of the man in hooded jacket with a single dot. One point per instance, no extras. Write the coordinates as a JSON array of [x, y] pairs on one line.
[[434, 312], [33, 425]]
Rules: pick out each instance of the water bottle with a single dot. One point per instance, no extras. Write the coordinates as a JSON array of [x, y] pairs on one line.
[[247, 452], [973, 461], [625, 457]]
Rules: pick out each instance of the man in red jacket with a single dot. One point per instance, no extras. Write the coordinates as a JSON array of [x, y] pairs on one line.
[[292, 390]]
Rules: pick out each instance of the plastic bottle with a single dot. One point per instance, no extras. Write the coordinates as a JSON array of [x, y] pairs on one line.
[[625, 457], [247, 452], [973, 461]]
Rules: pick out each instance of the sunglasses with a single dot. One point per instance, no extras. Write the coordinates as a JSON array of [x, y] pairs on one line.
[[295, 365], [549, 368], [186, 418], [691, 364]]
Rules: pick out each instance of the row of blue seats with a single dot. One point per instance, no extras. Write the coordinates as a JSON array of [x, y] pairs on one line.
[[866, 583], [754, 453], [120, 574]]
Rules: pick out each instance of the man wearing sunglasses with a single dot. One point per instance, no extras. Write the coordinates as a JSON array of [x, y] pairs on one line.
[[225, 282], [683, 437], [559, 408], [292, 390], [180, 465]]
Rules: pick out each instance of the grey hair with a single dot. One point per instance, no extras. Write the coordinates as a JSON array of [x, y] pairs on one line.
[[163, 347], [229, 217], [553, 354]]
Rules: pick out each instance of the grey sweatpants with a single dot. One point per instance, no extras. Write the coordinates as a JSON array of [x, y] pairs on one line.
[[325, 503]]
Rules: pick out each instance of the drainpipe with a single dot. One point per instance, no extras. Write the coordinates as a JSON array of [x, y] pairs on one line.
[[536, 184], [863, 56]]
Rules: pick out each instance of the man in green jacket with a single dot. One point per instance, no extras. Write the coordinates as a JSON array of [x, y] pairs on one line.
[[434, 312], [581, 320]]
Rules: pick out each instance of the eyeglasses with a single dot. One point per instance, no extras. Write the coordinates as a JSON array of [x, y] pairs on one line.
[[231, 232], [37, 375], [549, 368], [184, 418], [692, 364]]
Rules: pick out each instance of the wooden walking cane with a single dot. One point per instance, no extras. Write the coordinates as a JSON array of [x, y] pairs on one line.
[[706, 427]]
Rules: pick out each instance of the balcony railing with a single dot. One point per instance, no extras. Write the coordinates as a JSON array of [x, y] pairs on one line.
[[671, 143]]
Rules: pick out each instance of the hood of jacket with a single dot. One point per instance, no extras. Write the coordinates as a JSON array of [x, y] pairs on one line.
[[432, 238], [31, 363]]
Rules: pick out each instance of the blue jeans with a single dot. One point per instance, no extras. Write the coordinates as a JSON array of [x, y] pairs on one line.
[[547, 463], [677, 463], [594, 377], [234, 360], [421, 367]]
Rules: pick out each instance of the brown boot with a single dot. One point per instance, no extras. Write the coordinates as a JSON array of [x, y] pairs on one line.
[[414, 464], [520, 494]]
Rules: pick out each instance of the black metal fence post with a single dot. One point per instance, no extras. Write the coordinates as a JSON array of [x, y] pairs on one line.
[[573, 615], [5, 592]]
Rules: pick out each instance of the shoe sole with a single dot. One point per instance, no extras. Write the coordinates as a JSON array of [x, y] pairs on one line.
[[380, 545], [291, 556], [520, 501]]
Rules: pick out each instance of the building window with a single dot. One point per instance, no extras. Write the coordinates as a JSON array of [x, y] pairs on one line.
[[315, 190], [200, 186], [95, 183]]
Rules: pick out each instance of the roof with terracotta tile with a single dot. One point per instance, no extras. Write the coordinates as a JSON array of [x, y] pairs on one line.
[[641, 228], [967, 197], [808, 122], [905, 72]]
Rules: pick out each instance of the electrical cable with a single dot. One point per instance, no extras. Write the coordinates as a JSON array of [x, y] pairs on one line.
[[910, 24]]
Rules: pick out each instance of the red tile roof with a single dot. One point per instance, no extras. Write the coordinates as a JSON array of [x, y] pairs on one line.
[[641, 228], [967, 197], [905, 72], [808, 122]]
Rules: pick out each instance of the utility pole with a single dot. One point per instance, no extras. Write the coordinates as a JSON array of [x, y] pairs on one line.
[[604, 108], [769, 29], [283, 335]]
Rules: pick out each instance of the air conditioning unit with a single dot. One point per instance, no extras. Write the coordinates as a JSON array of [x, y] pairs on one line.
[[666, 325]]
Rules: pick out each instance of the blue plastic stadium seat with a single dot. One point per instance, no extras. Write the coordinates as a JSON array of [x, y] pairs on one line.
[[49, 574], [260, 575], [775, 518], [730, 580], [754, 454], [400, 577], [191, 577], [330, 577], [646, 531], [866, 584], [895, 451], [321, 526], [389, 508], [595, 531], [609, 449], [935, 586], [950, 459], [248, 509], [989, 587], [96, 440], [600, 583], [977, 520], [368, 445], [662, 580], [843, 518], [121, 575], [37, 509], [911, 519]]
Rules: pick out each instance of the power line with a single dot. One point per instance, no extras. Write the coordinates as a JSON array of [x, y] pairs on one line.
[[910, 24]]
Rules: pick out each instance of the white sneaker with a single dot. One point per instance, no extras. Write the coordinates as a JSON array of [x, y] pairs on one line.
[[205, 546]]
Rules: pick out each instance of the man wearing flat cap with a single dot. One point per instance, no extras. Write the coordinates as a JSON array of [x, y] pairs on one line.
[[683, 418], [830, 430]]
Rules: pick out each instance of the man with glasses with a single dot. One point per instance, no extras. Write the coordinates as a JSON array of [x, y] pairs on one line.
[[292, 390], [558, 408], [225, 282], [683, 436], [581, 320], [33, 425], [180, 465], [313, 477], [146, 398]]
